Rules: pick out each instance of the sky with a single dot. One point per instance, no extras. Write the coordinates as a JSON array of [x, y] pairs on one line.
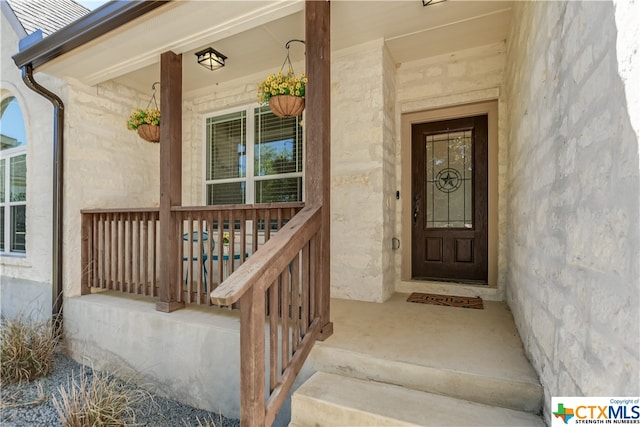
[[91, 4]]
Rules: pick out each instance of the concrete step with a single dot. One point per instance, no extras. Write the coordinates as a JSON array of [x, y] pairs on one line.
[[334, 400], [474, 355], [490, 390]]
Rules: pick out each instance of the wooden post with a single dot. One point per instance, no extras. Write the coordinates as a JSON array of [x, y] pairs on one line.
[[170, 179], [318, 140], [252, 353]]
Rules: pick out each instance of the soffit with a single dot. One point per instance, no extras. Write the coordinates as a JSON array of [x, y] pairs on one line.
[[253, 34]]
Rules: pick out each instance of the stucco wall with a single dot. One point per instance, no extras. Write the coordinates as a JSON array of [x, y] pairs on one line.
[[26, 280], [574, 186], [106, 165]]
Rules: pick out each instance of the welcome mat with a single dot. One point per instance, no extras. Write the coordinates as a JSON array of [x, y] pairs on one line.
[[446, 300]]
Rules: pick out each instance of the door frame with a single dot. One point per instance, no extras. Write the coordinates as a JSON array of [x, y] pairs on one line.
[[490, 108]]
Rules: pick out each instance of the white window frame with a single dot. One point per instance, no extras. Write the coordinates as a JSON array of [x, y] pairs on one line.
[[6, 203], [250, 179]]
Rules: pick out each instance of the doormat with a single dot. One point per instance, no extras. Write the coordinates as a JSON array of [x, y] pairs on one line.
[[446, 300]]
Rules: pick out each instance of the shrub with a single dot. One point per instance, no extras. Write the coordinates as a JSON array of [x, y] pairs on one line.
[[26, 349], [101, 400]]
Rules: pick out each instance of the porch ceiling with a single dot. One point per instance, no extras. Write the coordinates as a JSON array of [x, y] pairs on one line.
[[253, 34]]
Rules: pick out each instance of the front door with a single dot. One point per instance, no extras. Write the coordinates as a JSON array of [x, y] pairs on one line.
[[449, 200]]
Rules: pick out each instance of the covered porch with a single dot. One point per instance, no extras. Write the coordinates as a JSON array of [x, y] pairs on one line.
[[275, 269], [395, 363]]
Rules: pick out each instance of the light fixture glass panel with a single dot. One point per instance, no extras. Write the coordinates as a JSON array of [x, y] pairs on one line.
[[211, 58]]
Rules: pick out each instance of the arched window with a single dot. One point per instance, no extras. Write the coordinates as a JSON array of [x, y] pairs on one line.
[[13, 178]]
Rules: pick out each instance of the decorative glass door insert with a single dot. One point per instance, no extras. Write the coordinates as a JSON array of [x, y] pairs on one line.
[[449, 180]]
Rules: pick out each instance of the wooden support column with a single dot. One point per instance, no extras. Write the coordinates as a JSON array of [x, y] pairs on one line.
[[170, 179], [318, 140], [252, 353]]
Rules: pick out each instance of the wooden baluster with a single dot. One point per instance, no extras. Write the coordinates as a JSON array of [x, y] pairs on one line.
[[273, 335], [200, 290], [313, 276], [220, 247], [154, 253], [285, 286], [109, 252], [129, 251], [96, 245], [210, 256], [189, 256], [305, 289], [243, 236], [144, 242], [254, 230], [295, 301], [85, 258]]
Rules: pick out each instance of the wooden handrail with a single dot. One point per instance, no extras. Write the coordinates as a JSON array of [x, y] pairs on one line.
[[238, 207], [278, 289], [119, 210], [261, 269]]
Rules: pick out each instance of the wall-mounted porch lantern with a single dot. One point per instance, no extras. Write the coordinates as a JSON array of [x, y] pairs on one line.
[[211, 59]]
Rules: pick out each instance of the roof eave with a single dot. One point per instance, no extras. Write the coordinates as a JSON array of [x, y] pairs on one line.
[[91, 26]]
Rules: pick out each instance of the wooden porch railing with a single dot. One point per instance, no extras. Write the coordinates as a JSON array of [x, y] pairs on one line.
[[273, 273], [205, 260], [119, 250], [279, 294], [120, 247]]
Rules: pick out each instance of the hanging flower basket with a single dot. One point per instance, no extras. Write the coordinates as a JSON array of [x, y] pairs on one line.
[[146, 122], [286, 105], [149, 133], [284, 92]]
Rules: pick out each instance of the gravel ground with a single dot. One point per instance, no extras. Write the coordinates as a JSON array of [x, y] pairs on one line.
[[30, 404]]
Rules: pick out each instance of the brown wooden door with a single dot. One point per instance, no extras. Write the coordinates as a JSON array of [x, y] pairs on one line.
[[449, 200]]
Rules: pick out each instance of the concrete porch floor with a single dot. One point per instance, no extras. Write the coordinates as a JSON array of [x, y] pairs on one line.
[[473, 357], [481, 342]]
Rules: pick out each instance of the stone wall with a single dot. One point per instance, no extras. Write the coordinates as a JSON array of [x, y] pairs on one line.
[[369, 91], [573, 188], [390, 183], [362, 156], [358, 118], [457, 78]]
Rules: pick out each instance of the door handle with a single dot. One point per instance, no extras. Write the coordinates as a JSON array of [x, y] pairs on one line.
[[416, 209]]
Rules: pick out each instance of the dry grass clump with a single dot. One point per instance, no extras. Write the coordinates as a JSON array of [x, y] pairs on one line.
[[101, 400], [26, 349]]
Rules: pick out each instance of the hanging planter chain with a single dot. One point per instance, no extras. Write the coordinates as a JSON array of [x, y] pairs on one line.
[[287, 59], [153, 96]]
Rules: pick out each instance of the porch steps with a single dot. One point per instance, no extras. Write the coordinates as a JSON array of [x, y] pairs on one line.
[[503, 391], [400, 362], [335, 400]]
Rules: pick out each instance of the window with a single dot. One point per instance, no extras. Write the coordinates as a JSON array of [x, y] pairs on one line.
[[13, 178], [253, 156]]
